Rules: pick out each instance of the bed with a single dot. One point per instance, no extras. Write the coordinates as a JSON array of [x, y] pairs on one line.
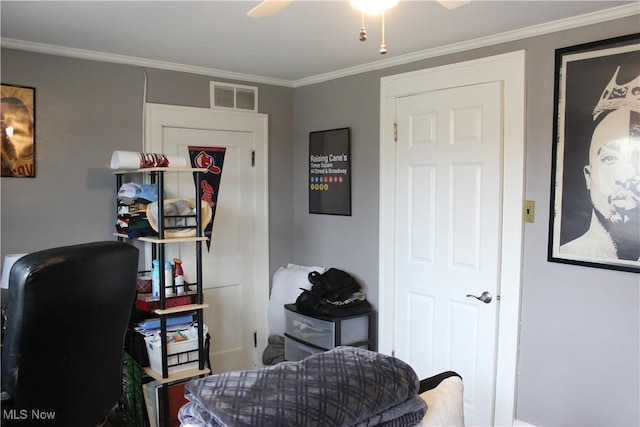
[[346, 386]]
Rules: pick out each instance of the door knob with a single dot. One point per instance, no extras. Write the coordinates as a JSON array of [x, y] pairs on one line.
[[485, 297]]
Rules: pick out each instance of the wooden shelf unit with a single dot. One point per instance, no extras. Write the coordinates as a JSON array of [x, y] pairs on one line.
[[156, 176]]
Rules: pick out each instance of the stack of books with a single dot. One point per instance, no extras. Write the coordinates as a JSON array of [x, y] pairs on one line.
[[152, 325]]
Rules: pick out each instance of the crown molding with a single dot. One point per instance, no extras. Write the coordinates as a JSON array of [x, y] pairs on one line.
[[141, 62], [536, 30], [509, 36]]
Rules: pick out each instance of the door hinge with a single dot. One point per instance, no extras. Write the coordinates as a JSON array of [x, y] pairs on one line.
[[395, 132], [253, 158], [255, 339]]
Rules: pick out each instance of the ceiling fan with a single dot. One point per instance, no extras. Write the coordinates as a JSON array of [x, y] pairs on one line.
[[271, 7], [268, 8], [371, 7]]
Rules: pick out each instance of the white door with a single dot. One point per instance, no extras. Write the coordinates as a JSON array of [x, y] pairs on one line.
[[235, 287], [448, 205], [451, 196]]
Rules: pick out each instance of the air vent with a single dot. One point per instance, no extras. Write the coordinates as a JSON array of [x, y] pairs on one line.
[[237, 97]]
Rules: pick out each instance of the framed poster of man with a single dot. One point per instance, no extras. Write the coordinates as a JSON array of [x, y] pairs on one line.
[[595, 192], [330, 172]]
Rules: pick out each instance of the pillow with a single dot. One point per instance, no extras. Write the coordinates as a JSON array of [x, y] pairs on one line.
[[307, 268], [287, 285], [444, 404]]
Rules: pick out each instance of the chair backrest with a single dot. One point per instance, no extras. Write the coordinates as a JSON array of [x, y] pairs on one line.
[[67, 314]]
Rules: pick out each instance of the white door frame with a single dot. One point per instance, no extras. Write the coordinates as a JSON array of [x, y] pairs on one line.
[[159, 116], [510, 70]]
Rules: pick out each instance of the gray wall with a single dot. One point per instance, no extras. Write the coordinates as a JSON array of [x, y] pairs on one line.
[[579, 349], [580, 346], [84, 111]]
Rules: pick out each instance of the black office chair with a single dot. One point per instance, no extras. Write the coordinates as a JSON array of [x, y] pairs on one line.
[[67, 315]]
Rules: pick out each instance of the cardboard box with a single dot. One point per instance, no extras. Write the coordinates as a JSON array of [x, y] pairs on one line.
[[148, 302], [154, 400]]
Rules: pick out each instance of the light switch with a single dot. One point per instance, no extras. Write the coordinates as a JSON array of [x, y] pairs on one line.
[[529, 210]]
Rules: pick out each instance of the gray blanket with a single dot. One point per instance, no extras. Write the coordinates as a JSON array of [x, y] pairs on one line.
[[346, 386]]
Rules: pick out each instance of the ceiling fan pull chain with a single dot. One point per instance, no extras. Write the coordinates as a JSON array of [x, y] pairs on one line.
[[383, 45], [363, 31]]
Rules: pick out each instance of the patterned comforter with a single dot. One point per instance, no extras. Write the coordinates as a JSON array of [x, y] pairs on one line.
[[346, 386]]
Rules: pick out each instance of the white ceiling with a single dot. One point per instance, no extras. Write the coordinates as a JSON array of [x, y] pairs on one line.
[[307, 41]]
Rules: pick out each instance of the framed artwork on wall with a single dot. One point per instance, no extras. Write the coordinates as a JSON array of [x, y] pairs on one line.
[[17, 108], [595, 183], [330, 172]]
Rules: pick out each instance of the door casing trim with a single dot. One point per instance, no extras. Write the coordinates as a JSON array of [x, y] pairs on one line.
[[159, 116], [509, 69]]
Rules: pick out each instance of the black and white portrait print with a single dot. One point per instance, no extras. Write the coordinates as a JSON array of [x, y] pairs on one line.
[[595, 217]]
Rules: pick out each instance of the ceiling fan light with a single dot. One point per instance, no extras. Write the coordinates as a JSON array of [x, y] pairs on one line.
[[373, 7]]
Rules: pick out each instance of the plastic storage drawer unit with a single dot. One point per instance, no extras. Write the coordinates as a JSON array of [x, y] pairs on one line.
[[294, 350], [326, 332]]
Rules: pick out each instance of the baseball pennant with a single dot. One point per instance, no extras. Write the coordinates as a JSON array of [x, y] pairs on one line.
[[212, 159]]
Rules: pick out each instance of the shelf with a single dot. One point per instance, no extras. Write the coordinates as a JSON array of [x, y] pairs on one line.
[[181, 308], [177, 376], [173, 239], [193, 234], [156, 240], [126, 171], [148, 302]]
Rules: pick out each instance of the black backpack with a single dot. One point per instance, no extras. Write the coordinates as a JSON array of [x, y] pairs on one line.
[[327, 289], [333, 285]]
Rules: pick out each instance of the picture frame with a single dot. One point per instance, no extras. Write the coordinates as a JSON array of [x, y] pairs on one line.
[[18, 130], [595, 188], [330, 172]]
